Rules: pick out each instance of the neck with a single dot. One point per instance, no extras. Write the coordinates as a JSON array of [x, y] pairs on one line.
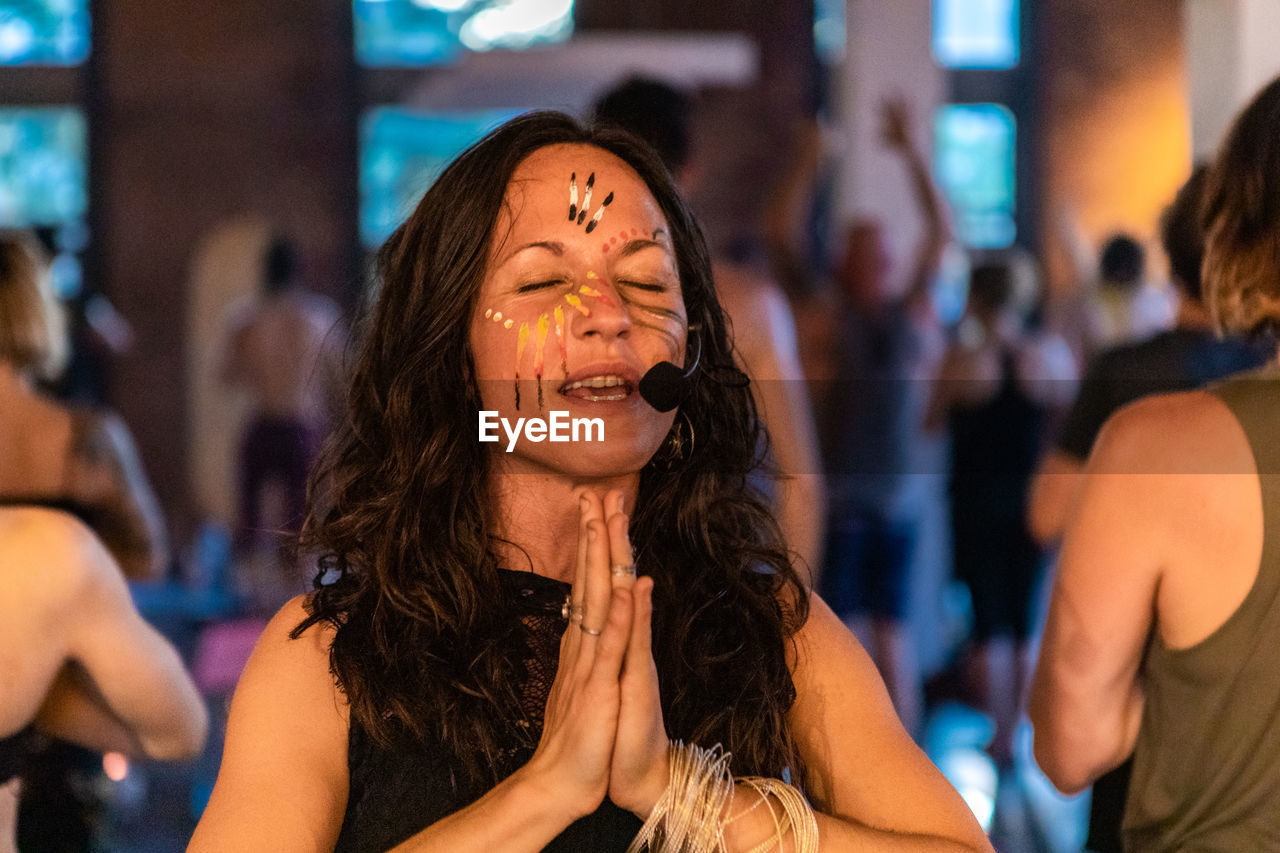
[[536, 516]]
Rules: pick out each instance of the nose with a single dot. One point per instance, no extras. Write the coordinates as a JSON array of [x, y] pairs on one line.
[[607, 314]]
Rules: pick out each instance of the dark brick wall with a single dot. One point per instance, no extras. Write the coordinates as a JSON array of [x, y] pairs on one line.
[[201, 112]]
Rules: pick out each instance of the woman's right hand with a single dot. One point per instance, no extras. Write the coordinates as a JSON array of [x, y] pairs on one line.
[[574, 756]]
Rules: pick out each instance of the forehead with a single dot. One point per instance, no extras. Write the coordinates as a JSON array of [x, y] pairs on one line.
[[552, 179]]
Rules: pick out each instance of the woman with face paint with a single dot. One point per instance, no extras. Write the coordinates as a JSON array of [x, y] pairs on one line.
[[527, 644]]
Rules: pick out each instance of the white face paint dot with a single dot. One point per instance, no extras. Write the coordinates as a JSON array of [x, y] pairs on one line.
[[507, 324], [497, 317], [488, 312]]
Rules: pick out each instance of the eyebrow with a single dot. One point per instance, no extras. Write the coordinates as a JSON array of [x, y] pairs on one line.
[[641, 243], [553, 246]]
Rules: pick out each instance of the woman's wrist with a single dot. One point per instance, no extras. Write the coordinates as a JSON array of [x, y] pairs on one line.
[[650, 790], [547, 792]]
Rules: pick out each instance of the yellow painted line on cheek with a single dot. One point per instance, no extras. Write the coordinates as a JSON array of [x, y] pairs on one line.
[[564, 353], [573, 300], [544, 325]]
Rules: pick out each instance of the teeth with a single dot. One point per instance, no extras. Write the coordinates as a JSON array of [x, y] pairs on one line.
[[610, 381]]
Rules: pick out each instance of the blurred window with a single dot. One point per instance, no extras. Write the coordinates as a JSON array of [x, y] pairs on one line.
[[829, 30], [43, 157], [976, 33], [42, 166], [44, 32], [391, 33], [974, 162], [402, 152]]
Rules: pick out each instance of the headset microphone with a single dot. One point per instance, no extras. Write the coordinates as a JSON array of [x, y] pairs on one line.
[[664, 386]]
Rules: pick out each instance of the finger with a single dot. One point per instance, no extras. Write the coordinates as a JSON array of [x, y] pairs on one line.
[[596, 599], [622, 568], [585, 513], [588, 508], [612, 643], [640, 645]]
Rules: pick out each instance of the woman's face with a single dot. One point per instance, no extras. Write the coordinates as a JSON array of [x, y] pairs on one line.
[[581, 297]]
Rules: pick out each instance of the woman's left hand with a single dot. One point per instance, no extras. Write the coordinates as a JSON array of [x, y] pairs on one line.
[[639, 771]]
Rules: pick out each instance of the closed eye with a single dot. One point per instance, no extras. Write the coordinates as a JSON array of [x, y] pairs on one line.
[[640, 285], [539, 285]]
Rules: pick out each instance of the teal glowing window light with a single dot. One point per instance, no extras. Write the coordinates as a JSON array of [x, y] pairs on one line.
[[43, 157], [976, 33], [974, 148], [402, 152], [390, 33], [44, 32]]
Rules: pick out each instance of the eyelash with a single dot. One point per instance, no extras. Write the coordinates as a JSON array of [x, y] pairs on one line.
[[538, 285], [651, 288]]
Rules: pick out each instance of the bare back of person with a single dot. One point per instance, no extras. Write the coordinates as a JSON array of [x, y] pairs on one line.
[[278, 352], [36, 436]]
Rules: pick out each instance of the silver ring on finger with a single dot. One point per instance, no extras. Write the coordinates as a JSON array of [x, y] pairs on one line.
[[592, 631], [624, 570]]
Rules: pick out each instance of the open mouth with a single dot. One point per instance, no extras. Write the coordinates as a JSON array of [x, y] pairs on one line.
[[606, 388]]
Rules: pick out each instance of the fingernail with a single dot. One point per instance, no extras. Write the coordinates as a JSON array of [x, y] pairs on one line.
[[582, 503], [591, 533]]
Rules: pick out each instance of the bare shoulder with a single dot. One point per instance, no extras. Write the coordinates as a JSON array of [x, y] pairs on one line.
[[1191, 432], [48, 549], [860, 764], [283, 780]]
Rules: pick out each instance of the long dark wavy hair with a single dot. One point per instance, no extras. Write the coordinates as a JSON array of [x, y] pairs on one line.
[[424, 649]]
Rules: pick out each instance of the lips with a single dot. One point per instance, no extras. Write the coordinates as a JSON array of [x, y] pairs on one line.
[[601, 383]]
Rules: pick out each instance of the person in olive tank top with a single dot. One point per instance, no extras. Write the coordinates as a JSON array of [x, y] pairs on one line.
[[1163, 638]]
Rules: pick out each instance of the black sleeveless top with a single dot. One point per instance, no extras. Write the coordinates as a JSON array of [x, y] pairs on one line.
[[15, 750], [394, 794], [995, 447]]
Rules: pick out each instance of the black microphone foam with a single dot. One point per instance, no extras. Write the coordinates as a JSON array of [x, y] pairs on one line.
[[664, 386]]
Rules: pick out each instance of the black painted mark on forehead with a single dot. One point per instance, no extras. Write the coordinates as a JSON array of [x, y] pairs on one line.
[[579, 214]]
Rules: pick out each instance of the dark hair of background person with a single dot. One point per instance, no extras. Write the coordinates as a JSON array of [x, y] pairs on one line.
[[1241, 217], [1122, 261], [655, 111], [1182, 235], [32, 321], [427, 644], [279, 265], [991, 286]]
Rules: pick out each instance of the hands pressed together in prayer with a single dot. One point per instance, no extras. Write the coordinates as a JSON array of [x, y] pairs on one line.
[[603, 732]]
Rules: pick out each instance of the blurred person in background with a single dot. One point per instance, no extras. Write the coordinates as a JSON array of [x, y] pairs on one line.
[[1113, 301], [763, 326], [884, 341], [285, 349], [995, 393], [81, 459], [77, 661], [1164, 622], [1187, 356]]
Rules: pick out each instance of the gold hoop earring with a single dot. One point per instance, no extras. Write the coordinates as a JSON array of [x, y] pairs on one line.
[[678, 446]]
